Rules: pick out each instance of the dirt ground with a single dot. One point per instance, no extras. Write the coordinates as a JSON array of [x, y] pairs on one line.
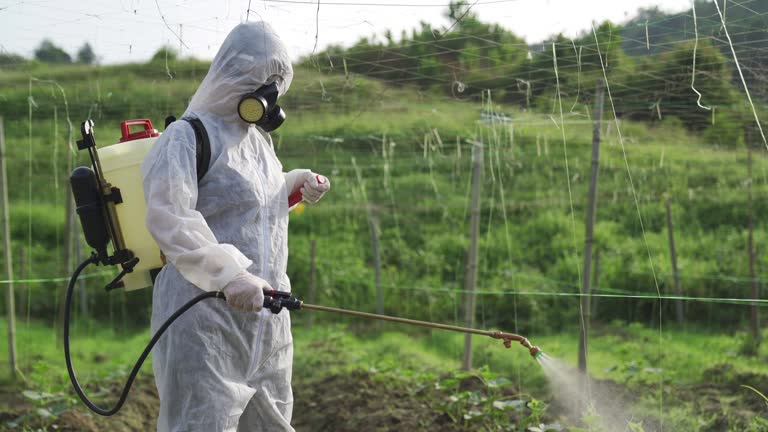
[[722, 396], [365, 400], [138, 413], [358, 402], [351, 402], [341, 408]]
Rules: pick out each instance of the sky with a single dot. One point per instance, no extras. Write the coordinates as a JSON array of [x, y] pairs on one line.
[[132, 30]]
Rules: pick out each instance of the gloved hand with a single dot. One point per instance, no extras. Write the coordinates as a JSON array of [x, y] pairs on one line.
[[245, 292], [312, 186]]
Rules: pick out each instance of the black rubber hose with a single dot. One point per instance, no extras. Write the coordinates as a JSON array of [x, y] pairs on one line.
[[124, 394]]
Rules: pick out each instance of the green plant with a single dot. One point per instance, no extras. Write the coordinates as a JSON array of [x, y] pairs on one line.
[[47, 392], [533, 419], [758, 424]]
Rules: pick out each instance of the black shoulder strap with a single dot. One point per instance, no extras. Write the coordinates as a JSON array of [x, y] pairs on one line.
[[203, 146], [203, 157]]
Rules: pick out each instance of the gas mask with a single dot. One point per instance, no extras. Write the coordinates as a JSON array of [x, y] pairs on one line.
[[260, 107]]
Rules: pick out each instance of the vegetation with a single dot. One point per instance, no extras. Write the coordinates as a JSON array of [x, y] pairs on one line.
[[393, 124], [85, 54], [405, 147], [411, 380], [47, 52], [472, 56]]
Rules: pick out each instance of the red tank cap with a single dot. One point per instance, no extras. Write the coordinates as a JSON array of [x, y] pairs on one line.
[[147, 132]]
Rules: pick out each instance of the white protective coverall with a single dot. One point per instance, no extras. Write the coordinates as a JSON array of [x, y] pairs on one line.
[[218, 369]]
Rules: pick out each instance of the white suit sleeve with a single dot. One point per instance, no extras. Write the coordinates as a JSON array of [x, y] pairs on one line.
[[169, 175]]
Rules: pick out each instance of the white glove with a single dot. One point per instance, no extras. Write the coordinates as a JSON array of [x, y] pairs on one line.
[[245, 292], [312, 186]]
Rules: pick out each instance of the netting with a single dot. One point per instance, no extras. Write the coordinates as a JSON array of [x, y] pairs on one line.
[[394, 120]]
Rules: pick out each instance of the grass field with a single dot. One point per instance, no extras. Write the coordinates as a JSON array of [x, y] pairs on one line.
[[399, 159], [703, 376]]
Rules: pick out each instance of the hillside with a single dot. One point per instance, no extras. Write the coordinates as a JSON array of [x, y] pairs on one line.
[[406, 156], [399, 157]]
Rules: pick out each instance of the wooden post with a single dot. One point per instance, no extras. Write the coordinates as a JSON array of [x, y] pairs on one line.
[[470, 278], [754, 317], [595, 283], [590, 226], [679, 311], [22, 272], [8, 257], [374, 223], [311, 294]]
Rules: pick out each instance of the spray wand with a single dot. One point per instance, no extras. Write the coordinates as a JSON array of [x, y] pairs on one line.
[[279, 299]]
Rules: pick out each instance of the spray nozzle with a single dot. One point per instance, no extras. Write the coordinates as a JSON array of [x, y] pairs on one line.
[[536, 352], [509, 337]]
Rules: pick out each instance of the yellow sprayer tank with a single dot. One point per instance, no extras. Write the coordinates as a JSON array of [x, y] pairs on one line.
[[121, 166]]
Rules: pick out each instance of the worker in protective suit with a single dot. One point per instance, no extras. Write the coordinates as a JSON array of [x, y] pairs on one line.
[[225, 366]]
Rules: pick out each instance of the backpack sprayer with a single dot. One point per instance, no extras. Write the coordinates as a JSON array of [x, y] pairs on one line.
[[101, 208]]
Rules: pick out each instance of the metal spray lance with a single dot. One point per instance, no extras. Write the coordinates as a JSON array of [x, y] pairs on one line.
[[276, 300]]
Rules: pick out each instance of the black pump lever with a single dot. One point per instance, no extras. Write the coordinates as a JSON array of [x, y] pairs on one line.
[[117, 281]]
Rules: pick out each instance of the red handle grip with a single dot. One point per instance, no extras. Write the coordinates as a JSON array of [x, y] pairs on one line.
[[125, 127], [146, 132], [296, 196]]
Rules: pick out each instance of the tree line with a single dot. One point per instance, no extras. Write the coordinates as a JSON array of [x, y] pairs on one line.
[[652, 74], [50, 53]]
